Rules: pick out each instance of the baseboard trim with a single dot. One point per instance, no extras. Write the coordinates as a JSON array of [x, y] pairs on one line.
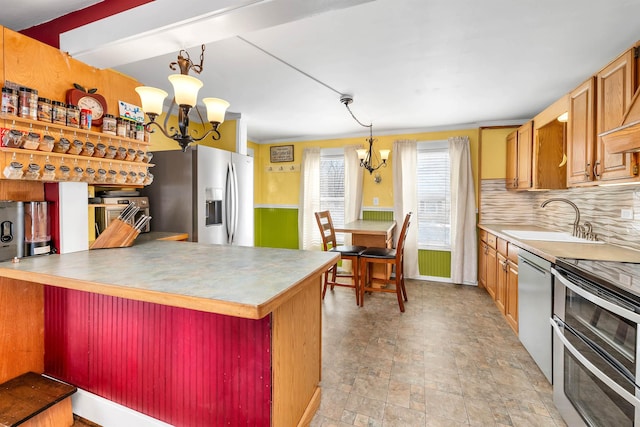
[[110, 414]]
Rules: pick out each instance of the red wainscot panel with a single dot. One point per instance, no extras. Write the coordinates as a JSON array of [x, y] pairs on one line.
[[184, 367]]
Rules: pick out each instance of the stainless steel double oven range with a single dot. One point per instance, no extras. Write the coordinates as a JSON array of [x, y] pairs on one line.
[[596, 313]]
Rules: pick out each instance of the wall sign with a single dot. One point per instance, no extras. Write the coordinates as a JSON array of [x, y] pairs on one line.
[[281, 153], [130, 111]]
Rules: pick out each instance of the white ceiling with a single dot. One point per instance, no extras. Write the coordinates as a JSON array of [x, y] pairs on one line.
[[410, 64]]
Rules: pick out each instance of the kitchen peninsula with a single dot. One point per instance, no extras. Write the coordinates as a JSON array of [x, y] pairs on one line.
[[187, 333]]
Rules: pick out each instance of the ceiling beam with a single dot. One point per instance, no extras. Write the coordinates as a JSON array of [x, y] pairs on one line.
[[159, 27]]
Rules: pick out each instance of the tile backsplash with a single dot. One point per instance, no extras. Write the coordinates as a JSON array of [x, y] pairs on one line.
[[601, 206]]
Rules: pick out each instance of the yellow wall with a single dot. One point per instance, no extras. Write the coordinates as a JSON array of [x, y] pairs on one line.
[[282, 188], [493, 163], [227, 130]]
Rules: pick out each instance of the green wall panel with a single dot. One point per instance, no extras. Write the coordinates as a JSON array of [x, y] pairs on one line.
[[276, 228], [434, 263], [377, 215]]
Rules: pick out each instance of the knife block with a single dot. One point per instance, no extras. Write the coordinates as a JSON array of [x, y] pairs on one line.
[[118, 234]]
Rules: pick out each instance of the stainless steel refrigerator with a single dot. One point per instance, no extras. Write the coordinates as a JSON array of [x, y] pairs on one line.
[[206, 192]]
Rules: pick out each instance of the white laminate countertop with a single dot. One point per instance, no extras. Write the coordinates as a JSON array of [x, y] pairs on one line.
[[552, 250]]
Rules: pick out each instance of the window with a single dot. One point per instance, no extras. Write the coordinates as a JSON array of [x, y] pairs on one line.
[[332, 185], [434, 195]]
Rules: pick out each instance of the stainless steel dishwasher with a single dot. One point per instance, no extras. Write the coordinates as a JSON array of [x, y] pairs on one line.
[[535, 306]]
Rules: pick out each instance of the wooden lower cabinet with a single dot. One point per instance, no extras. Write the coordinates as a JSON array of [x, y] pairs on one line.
[[501, 283], [511, 300], [498, 267], [492, 271], [487, 262]]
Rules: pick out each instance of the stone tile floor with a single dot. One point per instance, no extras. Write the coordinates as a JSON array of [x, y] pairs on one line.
[[449, 360]]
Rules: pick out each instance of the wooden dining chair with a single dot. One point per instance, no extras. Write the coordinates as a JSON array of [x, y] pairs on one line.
[[347, 252], [386, 256]]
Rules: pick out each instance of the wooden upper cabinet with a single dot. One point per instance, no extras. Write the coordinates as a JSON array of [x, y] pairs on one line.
[[581, 134], [519, 157], [525, 155], [512, 161], [615, 85]]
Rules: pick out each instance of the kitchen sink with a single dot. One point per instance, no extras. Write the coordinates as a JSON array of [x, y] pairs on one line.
[[549, 236]]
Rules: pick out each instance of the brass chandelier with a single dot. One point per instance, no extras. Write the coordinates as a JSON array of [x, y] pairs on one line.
[[186, 90]]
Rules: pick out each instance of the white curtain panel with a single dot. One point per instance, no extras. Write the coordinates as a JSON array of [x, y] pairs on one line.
[[464, 264], [353, 179], [309, 201], [405, 199]]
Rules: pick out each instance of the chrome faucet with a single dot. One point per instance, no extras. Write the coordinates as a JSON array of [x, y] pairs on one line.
[[576, 223]]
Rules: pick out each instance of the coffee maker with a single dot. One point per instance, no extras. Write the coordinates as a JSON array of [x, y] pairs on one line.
[[37, 234], [11, 230]]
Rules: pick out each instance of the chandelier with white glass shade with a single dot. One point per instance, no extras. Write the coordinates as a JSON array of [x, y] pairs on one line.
[[185, 89]]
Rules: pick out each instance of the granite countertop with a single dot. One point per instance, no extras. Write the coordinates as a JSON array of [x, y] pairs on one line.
[[233, 280], [552, 250]]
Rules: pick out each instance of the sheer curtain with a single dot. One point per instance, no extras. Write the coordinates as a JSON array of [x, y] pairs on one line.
[[309, 201], [405, 199], [464, 266]]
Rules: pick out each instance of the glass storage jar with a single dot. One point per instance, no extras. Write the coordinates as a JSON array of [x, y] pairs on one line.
[[58, 113], [109, 124], [101, 176], [44, 109], [49, 172], [111, 152], [90, 174], [112, 176], [31, 141], [73, 116], [61, 146], [13, 170], [24, 102], [100, 150], [122, 177], [122, 153], [77, 174], [33, 171], [75, 147], [9, 101], [13, 139], [46, 143], [88, 149], [63, 173]]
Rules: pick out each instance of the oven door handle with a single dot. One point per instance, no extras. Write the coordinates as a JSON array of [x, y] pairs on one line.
[[607, 304], [557, 324]]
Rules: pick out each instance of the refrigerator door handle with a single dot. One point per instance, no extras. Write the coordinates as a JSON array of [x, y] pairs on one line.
[[235, 201], [228, 200]]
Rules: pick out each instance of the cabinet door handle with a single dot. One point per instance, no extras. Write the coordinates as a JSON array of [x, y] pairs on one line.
[[595, 170], [586, 170]]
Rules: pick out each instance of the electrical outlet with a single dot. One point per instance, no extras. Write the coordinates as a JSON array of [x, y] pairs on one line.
[[376, 201], [626, 213]]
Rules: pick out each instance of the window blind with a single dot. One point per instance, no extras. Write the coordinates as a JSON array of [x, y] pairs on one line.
[[433, 184], [332, 188]]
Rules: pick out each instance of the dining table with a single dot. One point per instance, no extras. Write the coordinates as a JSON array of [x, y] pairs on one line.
[[371, 233]]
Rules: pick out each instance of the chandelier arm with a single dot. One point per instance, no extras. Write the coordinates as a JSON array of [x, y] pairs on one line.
[[214, 131], [162, 129]]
